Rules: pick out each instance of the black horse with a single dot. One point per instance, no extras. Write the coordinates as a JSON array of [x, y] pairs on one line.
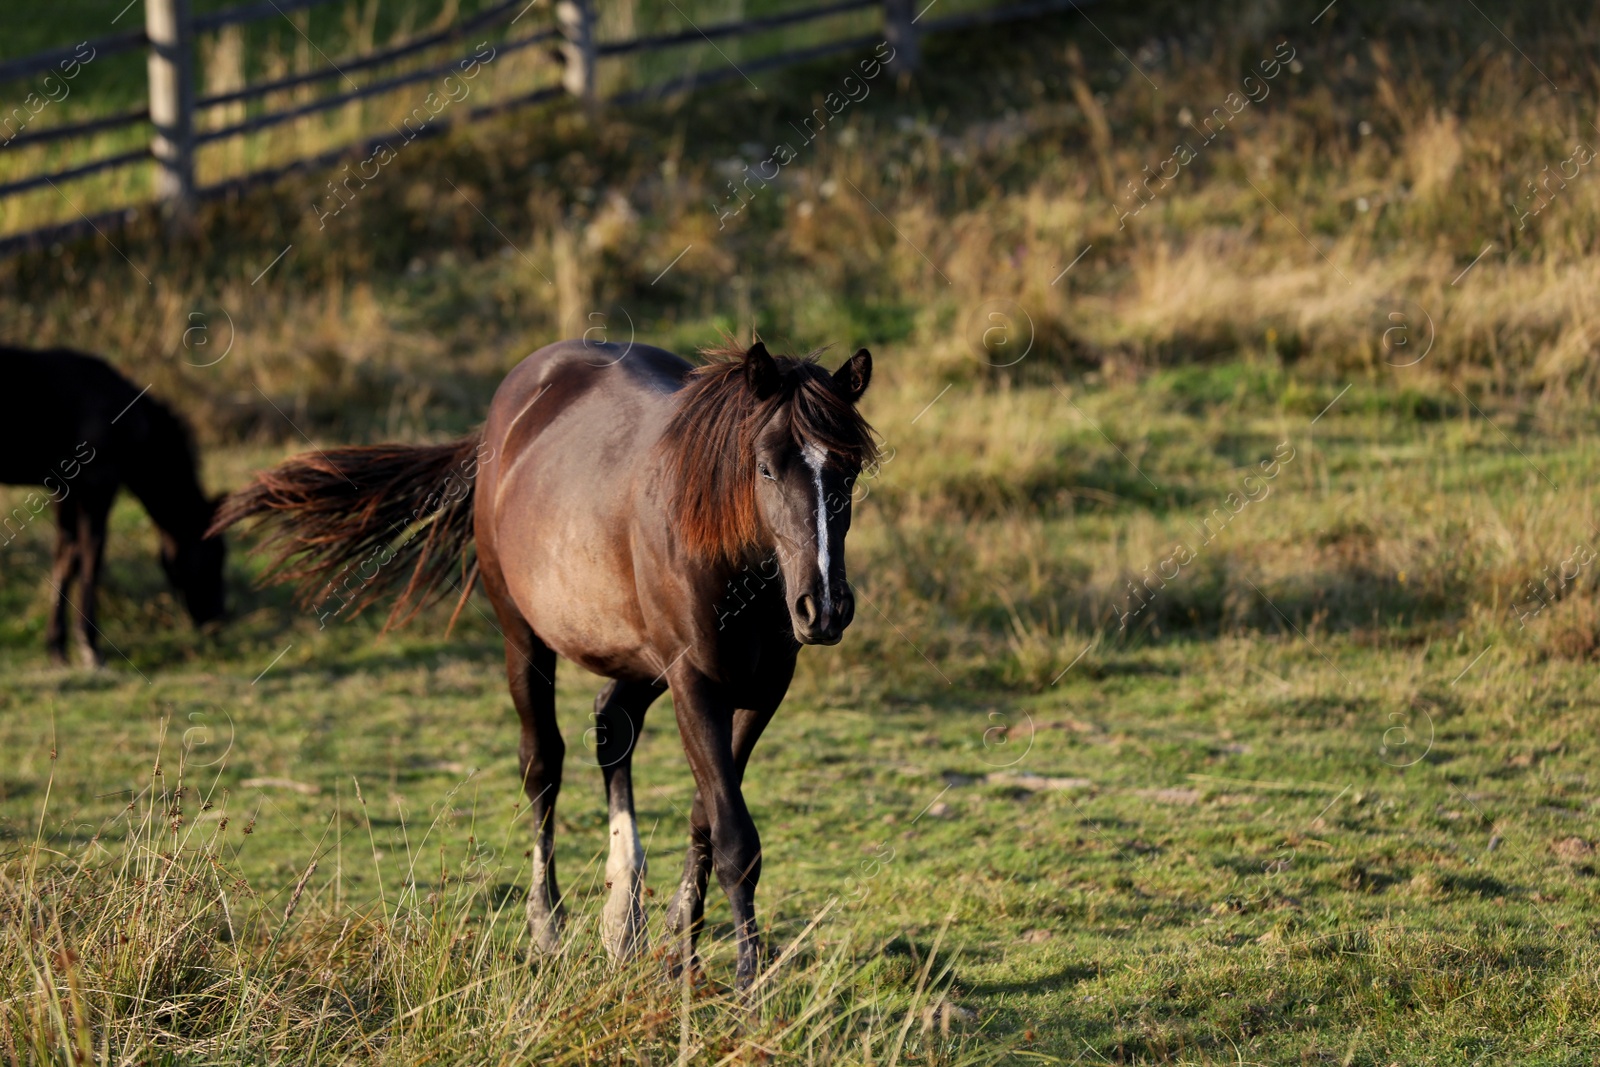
[[80, 430]]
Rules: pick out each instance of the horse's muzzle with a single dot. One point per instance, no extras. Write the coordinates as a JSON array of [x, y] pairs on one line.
[[812, 626]]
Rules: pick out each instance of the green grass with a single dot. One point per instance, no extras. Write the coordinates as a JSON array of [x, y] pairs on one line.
[[1337, 833], [1327, 797]]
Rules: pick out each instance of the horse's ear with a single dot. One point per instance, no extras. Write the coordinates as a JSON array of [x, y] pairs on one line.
[[852, 379], [761, 370]]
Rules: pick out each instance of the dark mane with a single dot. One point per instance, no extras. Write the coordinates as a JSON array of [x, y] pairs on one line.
[[710, 443], [167, 481], [170, 433]]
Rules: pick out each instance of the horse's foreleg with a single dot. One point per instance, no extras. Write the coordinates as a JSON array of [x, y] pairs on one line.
[[619, 717], [686, 913], [63, 572], [718, 742], [531, 672]]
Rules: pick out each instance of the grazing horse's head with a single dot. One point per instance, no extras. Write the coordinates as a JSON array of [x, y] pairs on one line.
[[765, 451], [193, 564]]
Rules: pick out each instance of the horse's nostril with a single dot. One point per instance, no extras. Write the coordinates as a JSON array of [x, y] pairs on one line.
[[806, 608]]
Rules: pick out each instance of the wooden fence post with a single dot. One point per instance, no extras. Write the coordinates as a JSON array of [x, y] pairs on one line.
[[899, 29], [172, 98], [576, 19]]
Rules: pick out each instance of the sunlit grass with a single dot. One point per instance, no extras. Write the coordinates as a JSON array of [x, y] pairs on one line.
[[1323, 794], [147, 941]]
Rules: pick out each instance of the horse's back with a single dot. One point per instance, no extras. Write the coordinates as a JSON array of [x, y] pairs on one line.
[[577, 396], [568, 369], [63, 401]]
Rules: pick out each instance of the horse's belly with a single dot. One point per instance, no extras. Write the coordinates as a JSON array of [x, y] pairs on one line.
[[573, 583], [587, 621], [574, 440]]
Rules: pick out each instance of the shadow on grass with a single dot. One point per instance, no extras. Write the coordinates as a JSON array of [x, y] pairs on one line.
[[1049, 982]]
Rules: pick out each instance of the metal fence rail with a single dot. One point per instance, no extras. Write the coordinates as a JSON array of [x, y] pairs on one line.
[[39, 62], [382, 57], [173, 105], [74, 130], [326, 103], [731, 29]]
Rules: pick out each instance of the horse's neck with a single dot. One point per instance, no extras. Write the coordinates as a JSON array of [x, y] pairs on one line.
[[166, 485], [756, 578]]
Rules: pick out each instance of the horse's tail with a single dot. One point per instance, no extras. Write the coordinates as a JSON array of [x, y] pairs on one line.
[[350, 524]]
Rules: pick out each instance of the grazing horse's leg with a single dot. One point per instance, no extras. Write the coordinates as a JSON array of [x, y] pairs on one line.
[[531, 672], [723, 836], [92, 517], [619, 717], [63, 572]]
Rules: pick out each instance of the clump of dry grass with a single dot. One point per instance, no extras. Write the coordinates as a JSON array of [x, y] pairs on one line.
[[146, 942], [1016, 532]]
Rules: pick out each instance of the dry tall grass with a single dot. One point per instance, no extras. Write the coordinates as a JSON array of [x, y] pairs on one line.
[[145, 944]]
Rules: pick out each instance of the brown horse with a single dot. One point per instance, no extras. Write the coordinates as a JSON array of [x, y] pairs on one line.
[[81, 430], [616, 495]]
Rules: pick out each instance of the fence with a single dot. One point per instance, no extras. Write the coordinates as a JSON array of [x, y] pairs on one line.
[[173, 104]]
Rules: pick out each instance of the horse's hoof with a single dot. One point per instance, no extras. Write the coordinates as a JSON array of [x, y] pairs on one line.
[[701, 985], [672, 956], [622, 928], [545, 926], [751, 963], [680, 916]]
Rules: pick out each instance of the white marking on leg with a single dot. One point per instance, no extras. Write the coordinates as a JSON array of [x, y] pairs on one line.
[[622, 919], [542, 917], [627, 851], [814, 458], [541, 864]]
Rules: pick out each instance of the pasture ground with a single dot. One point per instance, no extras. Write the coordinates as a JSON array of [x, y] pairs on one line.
[[1326, 795], [1368, 844]]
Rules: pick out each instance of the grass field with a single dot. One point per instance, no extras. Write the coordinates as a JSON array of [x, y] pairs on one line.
[[1221, 690]]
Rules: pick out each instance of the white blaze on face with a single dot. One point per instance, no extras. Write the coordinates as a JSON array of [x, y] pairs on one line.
[[814, 458]]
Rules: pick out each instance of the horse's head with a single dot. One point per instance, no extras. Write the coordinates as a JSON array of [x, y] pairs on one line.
[[764, 452], [193, 564], [807, 454]]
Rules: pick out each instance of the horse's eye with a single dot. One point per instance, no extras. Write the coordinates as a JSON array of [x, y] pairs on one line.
[[765, 473]]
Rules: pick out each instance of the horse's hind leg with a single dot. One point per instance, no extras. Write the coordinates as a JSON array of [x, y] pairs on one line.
[[619, 718], [63, 572], [531, 672], [93, 518]]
